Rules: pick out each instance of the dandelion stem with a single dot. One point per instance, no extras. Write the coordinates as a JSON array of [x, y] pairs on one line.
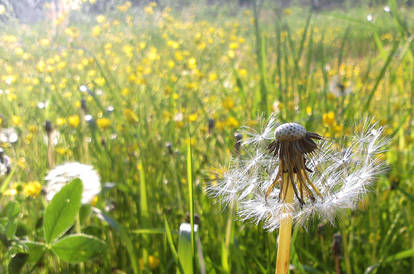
[[285, 232], [85, 144], [50, 150]]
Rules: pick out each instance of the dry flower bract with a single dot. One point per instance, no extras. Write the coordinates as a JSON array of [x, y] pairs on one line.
[[326, 177]]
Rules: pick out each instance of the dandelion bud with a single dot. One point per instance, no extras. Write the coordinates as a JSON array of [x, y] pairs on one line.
[[336, 246], [169, 147], [83, 105], [394, 182], [197, 220], [321, 229], [211, 125], [238, 137], [48, 127]]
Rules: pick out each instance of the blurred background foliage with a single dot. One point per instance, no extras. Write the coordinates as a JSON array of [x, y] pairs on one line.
[[166, 78]]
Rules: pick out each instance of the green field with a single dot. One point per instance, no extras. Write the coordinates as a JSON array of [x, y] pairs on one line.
[[167, 89]]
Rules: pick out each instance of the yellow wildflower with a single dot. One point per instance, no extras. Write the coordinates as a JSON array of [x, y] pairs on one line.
[[103, 123], [16, 120], [96, 31], [232, 122], [328, 119], [60, 121], [100, 18], [74, 121], [149, 10], [228, 103], [44, 42], [32, 189], [192, 117], [192, 63], [153, 262], [130, 116]]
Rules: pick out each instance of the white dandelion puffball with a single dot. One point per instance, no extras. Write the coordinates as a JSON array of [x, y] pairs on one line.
[[339, 88], [8, 135], [325, 177], [63, 174]]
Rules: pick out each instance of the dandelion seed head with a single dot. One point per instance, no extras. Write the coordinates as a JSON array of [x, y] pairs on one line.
[[63, 174], [328, 177]]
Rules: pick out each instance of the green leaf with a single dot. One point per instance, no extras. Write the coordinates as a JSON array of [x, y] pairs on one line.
[[172, 247], [185, 251], [398, 256], [36, 251], [17, 262], [12, 209], [11, 228], [6, 181], [62, 210], [78, 248]]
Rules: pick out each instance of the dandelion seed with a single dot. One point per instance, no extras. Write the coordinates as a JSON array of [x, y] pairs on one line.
[[63, 174]]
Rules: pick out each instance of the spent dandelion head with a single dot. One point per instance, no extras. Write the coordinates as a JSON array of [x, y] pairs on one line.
[[8, 135], [5, 165], [324, 177], [63, 174], [339, 88]]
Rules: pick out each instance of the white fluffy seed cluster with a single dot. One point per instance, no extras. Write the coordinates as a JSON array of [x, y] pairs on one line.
[[343, 175], [290, 132], [63, 174]]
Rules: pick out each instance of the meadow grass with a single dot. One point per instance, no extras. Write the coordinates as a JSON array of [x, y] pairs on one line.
[[181, 83]]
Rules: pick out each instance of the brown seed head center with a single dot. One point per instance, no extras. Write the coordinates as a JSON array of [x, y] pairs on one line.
[[292, 143]]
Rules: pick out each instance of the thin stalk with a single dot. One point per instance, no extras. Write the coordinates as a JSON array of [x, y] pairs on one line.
[[191, 196], [50, 150], [143, 205], [79, 231], [229, 236], [285, 233], [85, 144]]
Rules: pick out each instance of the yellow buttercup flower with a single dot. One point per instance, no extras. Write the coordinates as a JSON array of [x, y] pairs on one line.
[[232, 122], [103, 123], [228, 103], [130, 116], [32, 189], [74, 121], [96, 31], [100, 19], [16, 120], [328, 118]]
